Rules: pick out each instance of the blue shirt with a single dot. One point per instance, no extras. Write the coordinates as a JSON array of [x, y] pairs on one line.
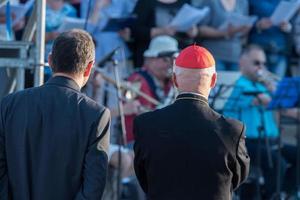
[[240, 106], [109, 40], [54, 18], [273, 38]]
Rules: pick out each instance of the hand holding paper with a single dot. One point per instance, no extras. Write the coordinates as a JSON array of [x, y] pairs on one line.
[[187, 17], [18, 11], [237, 20], [71, 23], [285, 11]]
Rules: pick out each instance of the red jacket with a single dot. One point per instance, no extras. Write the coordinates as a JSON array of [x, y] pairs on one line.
[[146, 86]]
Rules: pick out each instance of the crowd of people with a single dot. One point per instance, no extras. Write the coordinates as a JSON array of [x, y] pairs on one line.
[[148, 46]]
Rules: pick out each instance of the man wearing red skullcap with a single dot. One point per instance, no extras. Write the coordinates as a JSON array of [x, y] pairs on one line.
[[187, 150]]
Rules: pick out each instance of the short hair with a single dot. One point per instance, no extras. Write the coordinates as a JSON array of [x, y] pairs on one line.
[[72, 51], [250, 48]]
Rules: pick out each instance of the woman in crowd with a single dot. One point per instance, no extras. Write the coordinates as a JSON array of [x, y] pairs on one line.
[[225, 44], [153, 19]]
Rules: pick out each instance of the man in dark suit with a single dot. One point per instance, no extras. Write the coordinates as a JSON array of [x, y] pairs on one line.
[[187, 150], [54, 139]]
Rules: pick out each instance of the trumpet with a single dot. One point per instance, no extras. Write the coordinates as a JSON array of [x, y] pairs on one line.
[[267, 75], [130, 90], [268, 78]]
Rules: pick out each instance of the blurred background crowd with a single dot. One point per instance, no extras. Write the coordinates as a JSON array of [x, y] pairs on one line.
[[254, 56]]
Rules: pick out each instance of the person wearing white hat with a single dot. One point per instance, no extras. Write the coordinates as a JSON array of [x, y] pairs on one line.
[[154, 78]]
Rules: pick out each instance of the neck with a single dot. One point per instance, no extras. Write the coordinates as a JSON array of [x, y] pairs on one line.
[[79, 80], [203, 93]]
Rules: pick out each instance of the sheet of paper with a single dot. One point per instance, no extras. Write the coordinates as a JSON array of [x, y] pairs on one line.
[[2, 3], [238, 20], [71, 23], [188, 16], [18, 10], [285, 11]]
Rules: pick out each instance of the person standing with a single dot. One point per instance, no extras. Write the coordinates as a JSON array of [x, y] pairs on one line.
[[187, 150], [53, 138]]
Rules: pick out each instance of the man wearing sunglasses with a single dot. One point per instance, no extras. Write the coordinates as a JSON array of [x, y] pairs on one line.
[[154, 78], [248, 102]]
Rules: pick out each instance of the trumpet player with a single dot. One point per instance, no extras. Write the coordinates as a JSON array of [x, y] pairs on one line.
[[248, 101], [154, 78]]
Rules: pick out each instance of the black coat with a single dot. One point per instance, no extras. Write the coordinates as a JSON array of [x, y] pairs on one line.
[[53, 143], [188, 151]]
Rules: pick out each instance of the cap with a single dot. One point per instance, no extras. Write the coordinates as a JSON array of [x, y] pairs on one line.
[[195, 57], [160, 46]]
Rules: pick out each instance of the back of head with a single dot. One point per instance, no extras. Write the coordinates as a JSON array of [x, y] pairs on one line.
[[72, 51], [194, 70]]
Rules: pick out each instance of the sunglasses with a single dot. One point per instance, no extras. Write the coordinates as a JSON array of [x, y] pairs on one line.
[[259, 63]]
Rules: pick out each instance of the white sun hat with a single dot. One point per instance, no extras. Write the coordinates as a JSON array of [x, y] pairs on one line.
[[161, 45]]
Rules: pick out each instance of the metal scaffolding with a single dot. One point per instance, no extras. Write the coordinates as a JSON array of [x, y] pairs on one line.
[[16, 56]]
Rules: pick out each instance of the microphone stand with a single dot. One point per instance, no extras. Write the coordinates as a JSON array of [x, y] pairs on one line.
[[298, 143], [88, 14], [122, 137]]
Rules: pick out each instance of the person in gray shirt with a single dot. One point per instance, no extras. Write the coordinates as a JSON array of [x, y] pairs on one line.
[[225, 44]]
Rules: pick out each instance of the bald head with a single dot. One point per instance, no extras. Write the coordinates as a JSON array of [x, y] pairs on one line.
[[195, 80], [194, 70]]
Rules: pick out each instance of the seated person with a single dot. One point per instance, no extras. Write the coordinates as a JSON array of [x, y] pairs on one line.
[[154, 78]]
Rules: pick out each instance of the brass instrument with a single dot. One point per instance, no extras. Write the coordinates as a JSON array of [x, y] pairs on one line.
[[127, 86], [268, 78]]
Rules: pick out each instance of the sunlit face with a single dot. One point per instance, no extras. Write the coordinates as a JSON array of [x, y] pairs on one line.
[[55, 4], [160, 67], [252, 63]]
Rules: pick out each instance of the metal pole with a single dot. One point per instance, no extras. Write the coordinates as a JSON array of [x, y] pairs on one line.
[[40, 42], [21, 72]]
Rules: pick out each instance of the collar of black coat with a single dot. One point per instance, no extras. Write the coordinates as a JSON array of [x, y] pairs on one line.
[[63, 81], [192, 96]]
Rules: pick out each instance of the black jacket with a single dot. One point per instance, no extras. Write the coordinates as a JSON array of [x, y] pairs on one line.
[[145, 11], [53, 143], [188, 151]]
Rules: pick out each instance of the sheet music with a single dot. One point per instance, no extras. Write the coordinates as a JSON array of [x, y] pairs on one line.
[[238, 20], [188, 16], [18, 10], [71, 23], [285, 11]]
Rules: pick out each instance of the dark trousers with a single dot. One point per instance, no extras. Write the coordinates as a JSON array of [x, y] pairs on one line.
[[268, 164]]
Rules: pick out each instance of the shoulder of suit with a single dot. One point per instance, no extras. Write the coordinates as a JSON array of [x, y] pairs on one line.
[[19, 94], [151, 115], [234, 126]]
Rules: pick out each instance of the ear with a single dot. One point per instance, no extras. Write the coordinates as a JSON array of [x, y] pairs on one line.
[[242, 62], [174, 80], [50, 60], [88, 69], [213, 80]]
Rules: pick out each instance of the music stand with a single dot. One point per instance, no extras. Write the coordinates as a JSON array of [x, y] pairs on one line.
[[287, 95], [233, 107], [224, 87]]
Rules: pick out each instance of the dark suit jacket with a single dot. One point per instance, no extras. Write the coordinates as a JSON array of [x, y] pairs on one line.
[[53, 143], [188, 151]]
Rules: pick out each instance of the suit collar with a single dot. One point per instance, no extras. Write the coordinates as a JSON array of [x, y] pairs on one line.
[[63, 81], [192, 96]]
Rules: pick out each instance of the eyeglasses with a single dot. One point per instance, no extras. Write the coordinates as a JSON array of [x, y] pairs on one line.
[[259, 63], [167, 59]]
